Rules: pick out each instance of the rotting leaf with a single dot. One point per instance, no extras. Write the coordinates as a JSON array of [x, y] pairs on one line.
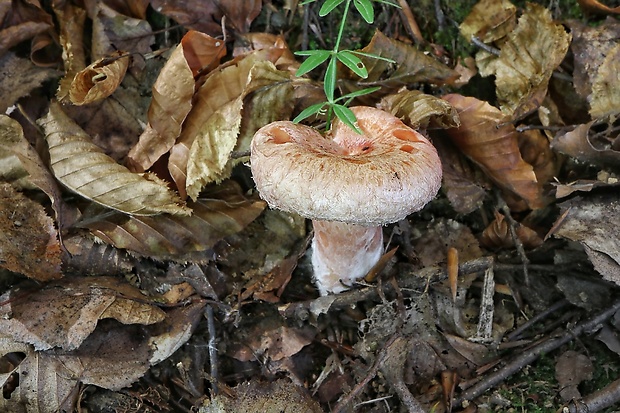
[[19, 21], [527, 59], [412, 65], [66, 312], [223, 211], [99, 80], [493, 145], [172, 97], [420, 110], [588, 221], [571, 369], [578, 144], [84, 168], [489, 20], [28, 239]]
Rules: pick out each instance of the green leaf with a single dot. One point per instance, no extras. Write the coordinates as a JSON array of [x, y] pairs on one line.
[[364, 7], [372, 56], [353, 62], [331, 77], [315, 58], [328, 6], [309, 111], [347, 116]]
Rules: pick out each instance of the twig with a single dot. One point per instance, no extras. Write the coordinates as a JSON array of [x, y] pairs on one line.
[[439, 14], [476, 41], [213, 360], [372, 372], [512, 225], [532, 354], [412, 26], [595, 402], [485, 324], [555, 307]]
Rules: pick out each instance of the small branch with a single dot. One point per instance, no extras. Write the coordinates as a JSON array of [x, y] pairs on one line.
[[411, 25], [540, 316], [213, 359], [490, 49], [532, 354], [597, 401], [484, 332]]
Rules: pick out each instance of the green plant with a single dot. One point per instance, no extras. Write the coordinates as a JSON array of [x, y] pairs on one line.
[[338, 105]]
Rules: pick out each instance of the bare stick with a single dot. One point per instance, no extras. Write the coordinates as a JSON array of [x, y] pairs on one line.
[[597, 401], [213, 361], [532, 354]]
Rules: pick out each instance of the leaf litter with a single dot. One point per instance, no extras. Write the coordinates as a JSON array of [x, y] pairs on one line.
[[140, 267]]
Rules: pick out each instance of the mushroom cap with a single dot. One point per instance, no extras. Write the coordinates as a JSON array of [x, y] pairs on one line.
[[375, 178]]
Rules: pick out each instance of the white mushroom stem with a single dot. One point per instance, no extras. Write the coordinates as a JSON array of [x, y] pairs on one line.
[[343, 253]]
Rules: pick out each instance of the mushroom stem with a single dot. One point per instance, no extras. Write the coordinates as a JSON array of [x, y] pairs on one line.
[[343, 253]]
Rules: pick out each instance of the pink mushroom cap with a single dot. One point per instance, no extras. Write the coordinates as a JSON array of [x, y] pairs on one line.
[[376, 178]]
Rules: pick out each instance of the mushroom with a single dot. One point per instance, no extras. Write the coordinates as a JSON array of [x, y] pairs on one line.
[[348, 184]]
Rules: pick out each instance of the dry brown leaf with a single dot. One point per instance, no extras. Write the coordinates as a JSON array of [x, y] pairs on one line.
[[19, 78], [171, 102], [202, 52], [412, 65], [536, 151], [19, 21], [493, 145], [64, 313], [222, 212], [28, 239], [605, 98], [497, 235], [420, 110], [588, 221], [489, 20], [71, 19], [99, 80], [571, 369], [247, 43], [202, 152], [578, 144], [527, 59], [87, 257], [596, 7], [83, 167]]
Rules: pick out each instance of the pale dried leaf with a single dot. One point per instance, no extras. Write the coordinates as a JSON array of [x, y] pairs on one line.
[[71, 20], [527, 59], [28, 239], [249, 42], [489, 20], [578, 144], [605, 98], [223, 211], [99, 80], [493, 145], [588, 222], [85, 169], [420, 110], [65, 313]]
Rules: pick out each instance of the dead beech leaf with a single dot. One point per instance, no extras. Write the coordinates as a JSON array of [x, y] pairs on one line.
[[28, 239], [172, 97], [412, 65], [222, 212], [494, 148], [99, 80], [605, 98], [420, 110], [489, 20], [24, 78], [71, 20], [497, 235], [527, 59], [64, 313], [571, 369], [21, 21], [588, 222], [85, 169], [202, 152], [249, 42], [578, 144], [596, 7]]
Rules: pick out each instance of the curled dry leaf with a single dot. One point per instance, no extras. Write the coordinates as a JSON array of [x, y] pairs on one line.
[[21, 21], [596, 7], [99, 80], [222, 212], [493, 145], [489, 20], [85, 169], [420, 110], [172, 97], [588, 222], [202, 152], [498, 235], [28, 239], [579, 144], [412, 65], [249, 42], [605, 98], [64, 313], [527, 59]]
